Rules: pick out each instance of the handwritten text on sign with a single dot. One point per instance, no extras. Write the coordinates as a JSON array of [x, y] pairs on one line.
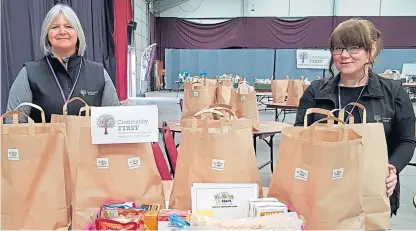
[[124, 124]]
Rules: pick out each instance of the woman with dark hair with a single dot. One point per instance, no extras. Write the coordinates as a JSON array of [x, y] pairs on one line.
[[355, 44]]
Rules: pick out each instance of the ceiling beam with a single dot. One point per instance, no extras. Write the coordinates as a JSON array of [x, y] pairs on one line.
[[164, 5]]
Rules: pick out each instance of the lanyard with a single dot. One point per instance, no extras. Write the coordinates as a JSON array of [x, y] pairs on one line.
[[339, 102], [59, 85]]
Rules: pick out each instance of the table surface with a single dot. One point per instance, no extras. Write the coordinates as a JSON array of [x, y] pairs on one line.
[[265, 127], [281, 106]]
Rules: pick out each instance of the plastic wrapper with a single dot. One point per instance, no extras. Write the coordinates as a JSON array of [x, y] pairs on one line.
[[282, 221]]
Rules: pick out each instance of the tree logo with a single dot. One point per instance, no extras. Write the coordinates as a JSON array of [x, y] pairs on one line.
[[106, 121], [303, 56]]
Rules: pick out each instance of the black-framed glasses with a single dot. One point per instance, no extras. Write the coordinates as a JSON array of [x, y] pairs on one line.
[[350, 50]]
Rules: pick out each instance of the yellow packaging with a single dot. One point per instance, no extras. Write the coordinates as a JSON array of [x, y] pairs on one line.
[[269, 209], [151, 215]]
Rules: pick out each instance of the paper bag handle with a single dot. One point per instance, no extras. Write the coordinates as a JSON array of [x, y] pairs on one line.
[[315, 111], [244, 84], [230, 109], [364, 119], [65, 107], [42, 113], [331, 120], [15, 115], [342, 113], [209, 110], [86, 109]]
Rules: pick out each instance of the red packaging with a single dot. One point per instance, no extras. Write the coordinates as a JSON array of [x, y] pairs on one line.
[[107, 224]]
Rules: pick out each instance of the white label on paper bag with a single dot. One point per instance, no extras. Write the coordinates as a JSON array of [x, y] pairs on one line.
[[13, 154], [243, 98], [301, 174], [338, 174], [218, 164], [103, 163], [134, 162], [196, 94]]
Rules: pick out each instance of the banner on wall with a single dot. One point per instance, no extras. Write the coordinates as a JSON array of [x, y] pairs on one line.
[[146, 64], [313, 59]]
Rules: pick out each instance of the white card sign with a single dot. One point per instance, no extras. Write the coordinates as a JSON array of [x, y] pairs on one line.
[[124, 124], [313, 59], [228, 201]]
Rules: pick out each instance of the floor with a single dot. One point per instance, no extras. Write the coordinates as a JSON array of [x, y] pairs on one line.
[[169, 110]]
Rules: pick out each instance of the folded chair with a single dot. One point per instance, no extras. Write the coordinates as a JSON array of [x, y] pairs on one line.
[[170, 147], [161, 162]]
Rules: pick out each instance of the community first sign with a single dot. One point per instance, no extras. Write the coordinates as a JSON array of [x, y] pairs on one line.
[[313, 59]]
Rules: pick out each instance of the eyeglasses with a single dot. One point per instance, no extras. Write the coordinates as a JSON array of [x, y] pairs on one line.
[[350, 50]]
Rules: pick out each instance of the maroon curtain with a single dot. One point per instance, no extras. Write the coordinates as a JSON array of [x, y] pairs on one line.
[[274, 33]]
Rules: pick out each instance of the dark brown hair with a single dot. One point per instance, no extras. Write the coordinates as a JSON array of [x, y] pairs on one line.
[[357, 32]]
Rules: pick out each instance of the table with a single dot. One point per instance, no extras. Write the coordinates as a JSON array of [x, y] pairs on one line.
[[266, 129], [178, 84], [283, 109], [263, 95]]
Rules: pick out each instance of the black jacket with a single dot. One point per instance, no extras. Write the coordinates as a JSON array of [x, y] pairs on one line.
[[46, 94], [386, 101]]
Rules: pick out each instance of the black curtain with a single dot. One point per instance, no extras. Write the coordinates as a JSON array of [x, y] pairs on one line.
[[21, 22]]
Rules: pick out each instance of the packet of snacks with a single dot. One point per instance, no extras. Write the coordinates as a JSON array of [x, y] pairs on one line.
[[117, 216]]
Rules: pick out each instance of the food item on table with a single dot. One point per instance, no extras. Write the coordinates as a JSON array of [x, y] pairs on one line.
[[120, 218], [150, 219], [163, 219], [255, 201], [281, 221], [108, 224], [269, 209]]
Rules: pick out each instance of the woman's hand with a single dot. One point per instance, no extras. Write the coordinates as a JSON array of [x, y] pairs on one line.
[[391, 180]]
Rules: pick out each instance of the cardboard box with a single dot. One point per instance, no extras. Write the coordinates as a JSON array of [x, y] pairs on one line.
[[261, 210], [163, 218], [254, 201]]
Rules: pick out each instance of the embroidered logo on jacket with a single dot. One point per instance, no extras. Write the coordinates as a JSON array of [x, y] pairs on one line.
[[88, 93]]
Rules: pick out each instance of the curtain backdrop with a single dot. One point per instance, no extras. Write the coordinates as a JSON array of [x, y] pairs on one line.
[[21, 22], [310, 32], [123, 15]]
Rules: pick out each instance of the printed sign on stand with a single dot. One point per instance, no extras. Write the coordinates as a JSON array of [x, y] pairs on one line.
[[313, 59], [124, 124], [228, 201]]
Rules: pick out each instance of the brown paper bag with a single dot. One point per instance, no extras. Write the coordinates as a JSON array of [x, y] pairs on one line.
[[121, 172], [224, 91], [244, 99], [294, 91], [319, 172], [33, 188], [211, 82], [279, 90], [197, 96], [225, 144], [73, 125], [375, 171]]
